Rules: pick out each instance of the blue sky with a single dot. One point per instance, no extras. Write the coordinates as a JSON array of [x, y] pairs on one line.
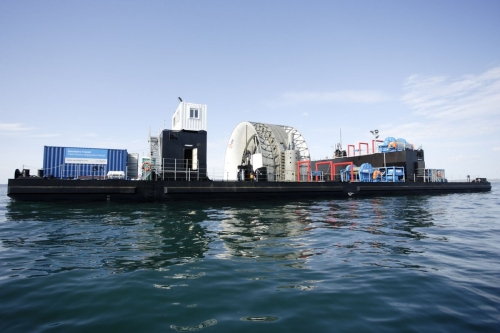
[[102, 73]]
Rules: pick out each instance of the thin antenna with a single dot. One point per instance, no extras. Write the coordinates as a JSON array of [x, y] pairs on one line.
[[341, 139]]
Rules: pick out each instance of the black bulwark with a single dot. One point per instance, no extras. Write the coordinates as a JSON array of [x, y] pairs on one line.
[[177, 151]]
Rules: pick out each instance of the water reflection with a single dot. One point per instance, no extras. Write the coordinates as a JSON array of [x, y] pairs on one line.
[[393, 223], [301, 230], [113, 238], [264, 231]]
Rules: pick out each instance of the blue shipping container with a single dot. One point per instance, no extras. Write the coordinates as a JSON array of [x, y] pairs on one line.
[[82, 163]]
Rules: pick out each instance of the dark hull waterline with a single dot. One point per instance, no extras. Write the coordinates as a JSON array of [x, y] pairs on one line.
[[39, 189]]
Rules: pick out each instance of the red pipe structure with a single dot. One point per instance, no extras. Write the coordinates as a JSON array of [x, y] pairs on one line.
[[353, 150], [344, 163], [331, 168], [373, 145], [364, 144], [308, 169]]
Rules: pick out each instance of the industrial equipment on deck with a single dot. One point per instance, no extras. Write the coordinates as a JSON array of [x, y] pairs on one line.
[[271, 151]]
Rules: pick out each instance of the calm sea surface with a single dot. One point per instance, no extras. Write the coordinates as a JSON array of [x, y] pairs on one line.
[[415, 263]]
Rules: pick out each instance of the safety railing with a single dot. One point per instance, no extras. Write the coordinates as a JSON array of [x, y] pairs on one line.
[[76, 171], [172, 169], [433, 175]]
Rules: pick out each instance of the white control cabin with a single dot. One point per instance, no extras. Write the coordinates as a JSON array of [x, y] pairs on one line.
[[190, 117]]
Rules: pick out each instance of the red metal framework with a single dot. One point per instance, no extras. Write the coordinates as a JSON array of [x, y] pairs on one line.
[[308, 169], [363, 144], [373, 145], [353, 150], [344, 163], [331, 168]]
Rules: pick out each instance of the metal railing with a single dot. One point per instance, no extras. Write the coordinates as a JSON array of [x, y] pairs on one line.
[[432, 175], [76, 171]]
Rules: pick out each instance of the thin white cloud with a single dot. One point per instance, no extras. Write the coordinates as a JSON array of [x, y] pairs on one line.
[[345, 96], [43, 136], [342, 96], [446, 107], [447, 98], [13, 128]]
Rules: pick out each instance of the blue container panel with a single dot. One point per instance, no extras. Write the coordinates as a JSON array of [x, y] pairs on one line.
[[53, 164]]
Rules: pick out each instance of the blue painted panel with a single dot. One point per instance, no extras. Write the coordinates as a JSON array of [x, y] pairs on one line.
[[54, 162], [85, 156]]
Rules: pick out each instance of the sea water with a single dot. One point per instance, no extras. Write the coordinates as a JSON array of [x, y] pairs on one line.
[[382, 264]]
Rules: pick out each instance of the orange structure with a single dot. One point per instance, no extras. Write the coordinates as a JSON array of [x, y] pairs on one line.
[[332, 174], [344, 163], [333, 167], [364, 144], [373, 145], [308, 169], [349, 150]]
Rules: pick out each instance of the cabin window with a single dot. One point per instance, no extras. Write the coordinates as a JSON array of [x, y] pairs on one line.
[[193, 113]]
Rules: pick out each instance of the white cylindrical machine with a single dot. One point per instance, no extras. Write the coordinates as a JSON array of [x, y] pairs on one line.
[[291, 159], [263, 148]]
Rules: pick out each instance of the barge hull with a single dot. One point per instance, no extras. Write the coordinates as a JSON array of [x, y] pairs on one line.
[[39, 189]]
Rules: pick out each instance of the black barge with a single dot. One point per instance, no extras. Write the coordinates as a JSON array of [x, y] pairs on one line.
[[263, 161]]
